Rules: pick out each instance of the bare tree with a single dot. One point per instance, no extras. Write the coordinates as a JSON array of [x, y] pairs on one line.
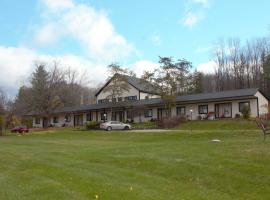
[[118, 82]]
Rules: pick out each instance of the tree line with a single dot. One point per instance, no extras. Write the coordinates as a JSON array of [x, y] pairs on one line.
[[241, 66]]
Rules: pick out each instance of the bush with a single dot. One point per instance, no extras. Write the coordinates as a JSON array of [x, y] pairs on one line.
[[144, 125], [129, 121], [171, 122], [246, 112], [91, 125], [27, 122], [153, 120], [237, 116], [2, 124]]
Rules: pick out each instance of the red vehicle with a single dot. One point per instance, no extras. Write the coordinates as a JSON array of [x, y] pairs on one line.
[[20, 129]]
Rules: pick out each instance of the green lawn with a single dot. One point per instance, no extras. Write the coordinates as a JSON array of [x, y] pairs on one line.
[[228, 124], [67, 164]]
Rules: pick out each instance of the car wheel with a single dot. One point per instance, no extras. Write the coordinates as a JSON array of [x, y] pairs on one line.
[[126, 128], [109, 128]]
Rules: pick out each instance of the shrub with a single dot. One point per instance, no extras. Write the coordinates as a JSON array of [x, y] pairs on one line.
[[153, 120], [171, 122], [246, 112], [237, 116], [129, 121], [90, 125], [2, 123], [144, 125], [27, 122]]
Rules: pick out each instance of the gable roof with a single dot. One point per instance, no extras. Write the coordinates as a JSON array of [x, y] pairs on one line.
[[139, 84]]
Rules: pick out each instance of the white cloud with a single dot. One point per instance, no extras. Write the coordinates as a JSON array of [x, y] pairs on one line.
[[191, 18], [18, 63], [143, 65], [82, 23], [208, 68], [48, 34], [195, 12], [15, 65]]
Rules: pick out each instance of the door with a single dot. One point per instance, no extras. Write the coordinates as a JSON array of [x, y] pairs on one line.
[[223, 110], [78, 120], [120, 113], [159, 113], [45, 122]]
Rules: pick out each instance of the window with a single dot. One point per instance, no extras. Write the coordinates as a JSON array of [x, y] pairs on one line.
[[88, 117], [120, 99], [55, 120], [203, 109], [37, 120], [103, 116], [181, 110], [242, 105], [148, 113], [130, 98], [103, 100], [67, 118]]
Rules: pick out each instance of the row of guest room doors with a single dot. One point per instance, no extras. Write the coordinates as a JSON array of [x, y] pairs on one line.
[[116, 116], [223, 110]]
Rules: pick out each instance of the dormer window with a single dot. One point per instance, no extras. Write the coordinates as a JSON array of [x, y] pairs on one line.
[[130, 98], [103, 100]]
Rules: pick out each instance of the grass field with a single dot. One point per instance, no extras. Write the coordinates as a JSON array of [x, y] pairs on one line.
[[68, 164]]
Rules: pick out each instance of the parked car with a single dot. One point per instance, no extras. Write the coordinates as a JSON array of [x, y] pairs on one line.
[[114, 125], [20, 129]]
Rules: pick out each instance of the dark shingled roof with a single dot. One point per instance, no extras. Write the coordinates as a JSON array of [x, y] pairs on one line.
[[219, 95], [195, 98], [139, 84]]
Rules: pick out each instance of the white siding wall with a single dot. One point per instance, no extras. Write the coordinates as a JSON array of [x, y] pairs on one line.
[[253, 107], [263, 104], [132, 92], [150, 96]]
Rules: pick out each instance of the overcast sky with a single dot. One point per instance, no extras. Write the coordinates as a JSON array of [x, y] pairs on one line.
[[87, 35]]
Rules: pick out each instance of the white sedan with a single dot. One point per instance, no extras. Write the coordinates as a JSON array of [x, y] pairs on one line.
[[114, 125]]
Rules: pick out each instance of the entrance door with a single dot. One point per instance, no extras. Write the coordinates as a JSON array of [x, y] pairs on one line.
[[159, 113], [45, 122], [120, 113], [223, 110], [78, 120]]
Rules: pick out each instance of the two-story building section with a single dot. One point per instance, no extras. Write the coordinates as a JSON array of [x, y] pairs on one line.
[[138, 89]]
